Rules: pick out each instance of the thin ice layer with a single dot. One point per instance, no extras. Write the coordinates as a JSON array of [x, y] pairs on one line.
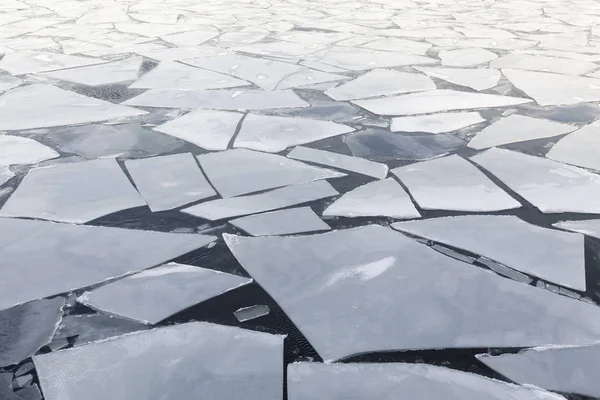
[[155, 294], [375, 270], [390, 381], [279, 198], [5, 175], [568, 369], [103, 74], [168, 182], [385, 198], [85, 328], [24, 329], [453, 183], [466, 57], [21, 150], [57, 258], [193, 360], [544, 64], [475, 78], [241, 171], [249, 313], [436, 123], [551, 186], [283, 222], [549, 254], [590, 227], [35, 62], [579, 148], [358, 59], [76, 192]]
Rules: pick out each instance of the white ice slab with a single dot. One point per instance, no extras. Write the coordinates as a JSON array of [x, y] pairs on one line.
[[588, 227], [315, 381], [36, 62], [279, 198], [481, 43], [340, 161], [75, 192], [309, 77], [249, 313], [436, 123], [567, 369], [475, 78], [174, 75], [435, 101], [385, 198], [103, 74], [381, 82], [554, 89], [274, 134], [549, 254], [155, 294], [544, 64], [466, 57], [218, 99], [453, 183], [191, 38], [178, 53], [375, 269], [400, 45], [283, 222], [21, 150], [211, 130], [41, 106], [551, 186], [5, 175], [358, 59], [517, 128], [579, 148], [8, 82], [241, 171], [57, 258], [192, 360], [169, 182]]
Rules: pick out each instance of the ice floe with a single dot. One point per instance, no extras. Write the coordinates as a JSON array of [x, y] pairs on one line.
[[360, 59], [36, 62], [249, 313], [283, 222], [21, 150], [84, 328], [466, 57], [8, 82], [5, 175], [589, 227], [475, 78], [544, 64], [579, 148], [103, 74], [436, 123]]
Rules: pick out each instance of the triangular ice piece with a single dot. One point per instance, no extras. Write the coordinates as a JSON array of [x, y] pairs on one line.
[[21, 150], [466, 57], [308, 77], [590, 227], [35, 62], [103, 74], [475, 78], [436, 123], [358, 59], [283, 222], [579, 148], [539, 63]]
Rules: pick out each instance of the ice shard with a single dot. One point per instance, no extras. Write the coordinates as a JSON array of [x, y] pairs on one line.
[[21, 150], [475, 78], [590, 227], [283, 222], [35, 62], [540, 63], [85, 328], [103, 74], [249, 313], [579, 148], [436, 123], [466, 57]]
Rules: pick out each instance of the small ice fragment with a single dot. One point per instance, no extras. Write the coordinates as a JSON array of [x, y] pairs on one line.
[[92, 327], [57, 344], [21, 150], [505, 271], [568, 293], [22, 381], [454, 254], [283, 222], [252, 312], [24, 369]]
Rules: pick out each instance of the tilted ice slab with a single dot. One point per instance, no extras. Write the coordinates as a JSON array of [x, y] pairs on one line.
[[466, 57], [249, 313], [5, 175], [544, 64], [76, 192], [579, 148], [168, 182], [283, 222], [358, 292], [155, 294], [385, 198], [381, 82], [57, 258], [551, 186], [554, 89], [340, 161], [218, 99], [24, 329], [274, 134], [21, 150], [435, 101], [192, 360], [589, 227], [36, 62], [389, 381], [103, 74], [453, 183], [42, 106], [359, 59], [517, 128], [85, 328], [241, 171], [568, 369], [436, 123], [549, 254], [279, 198], [475, 78]]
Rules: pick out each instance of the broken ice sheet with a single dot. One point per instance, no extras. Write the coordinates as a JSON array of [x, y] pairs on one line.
[[191, 38], [155, 294], [281, 49], [436, 123], [217, 99], [191, 360], [316, 381], [179, 53], [435, 101], [36, 62], [399, 45], [544, 64], [20, 150], [375, 269], [453, 183], [587, 227], [551, 186], [278, 198], [273, 134], [579, 148], [174, 75], [466, 57], [252, 312], [475, 78], [8, 82], [359, 59], [307, 77], [517, 128], [380, 82], [283, 222], [168, 182], [566, 369], [87, 328], [103, 74], [6, 387], [75, 192], [211, 130], [385, 198], [24, 329], [479, 44], [42, 106], [255, 171], [5, 175], [549, 254], [339, 161]]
